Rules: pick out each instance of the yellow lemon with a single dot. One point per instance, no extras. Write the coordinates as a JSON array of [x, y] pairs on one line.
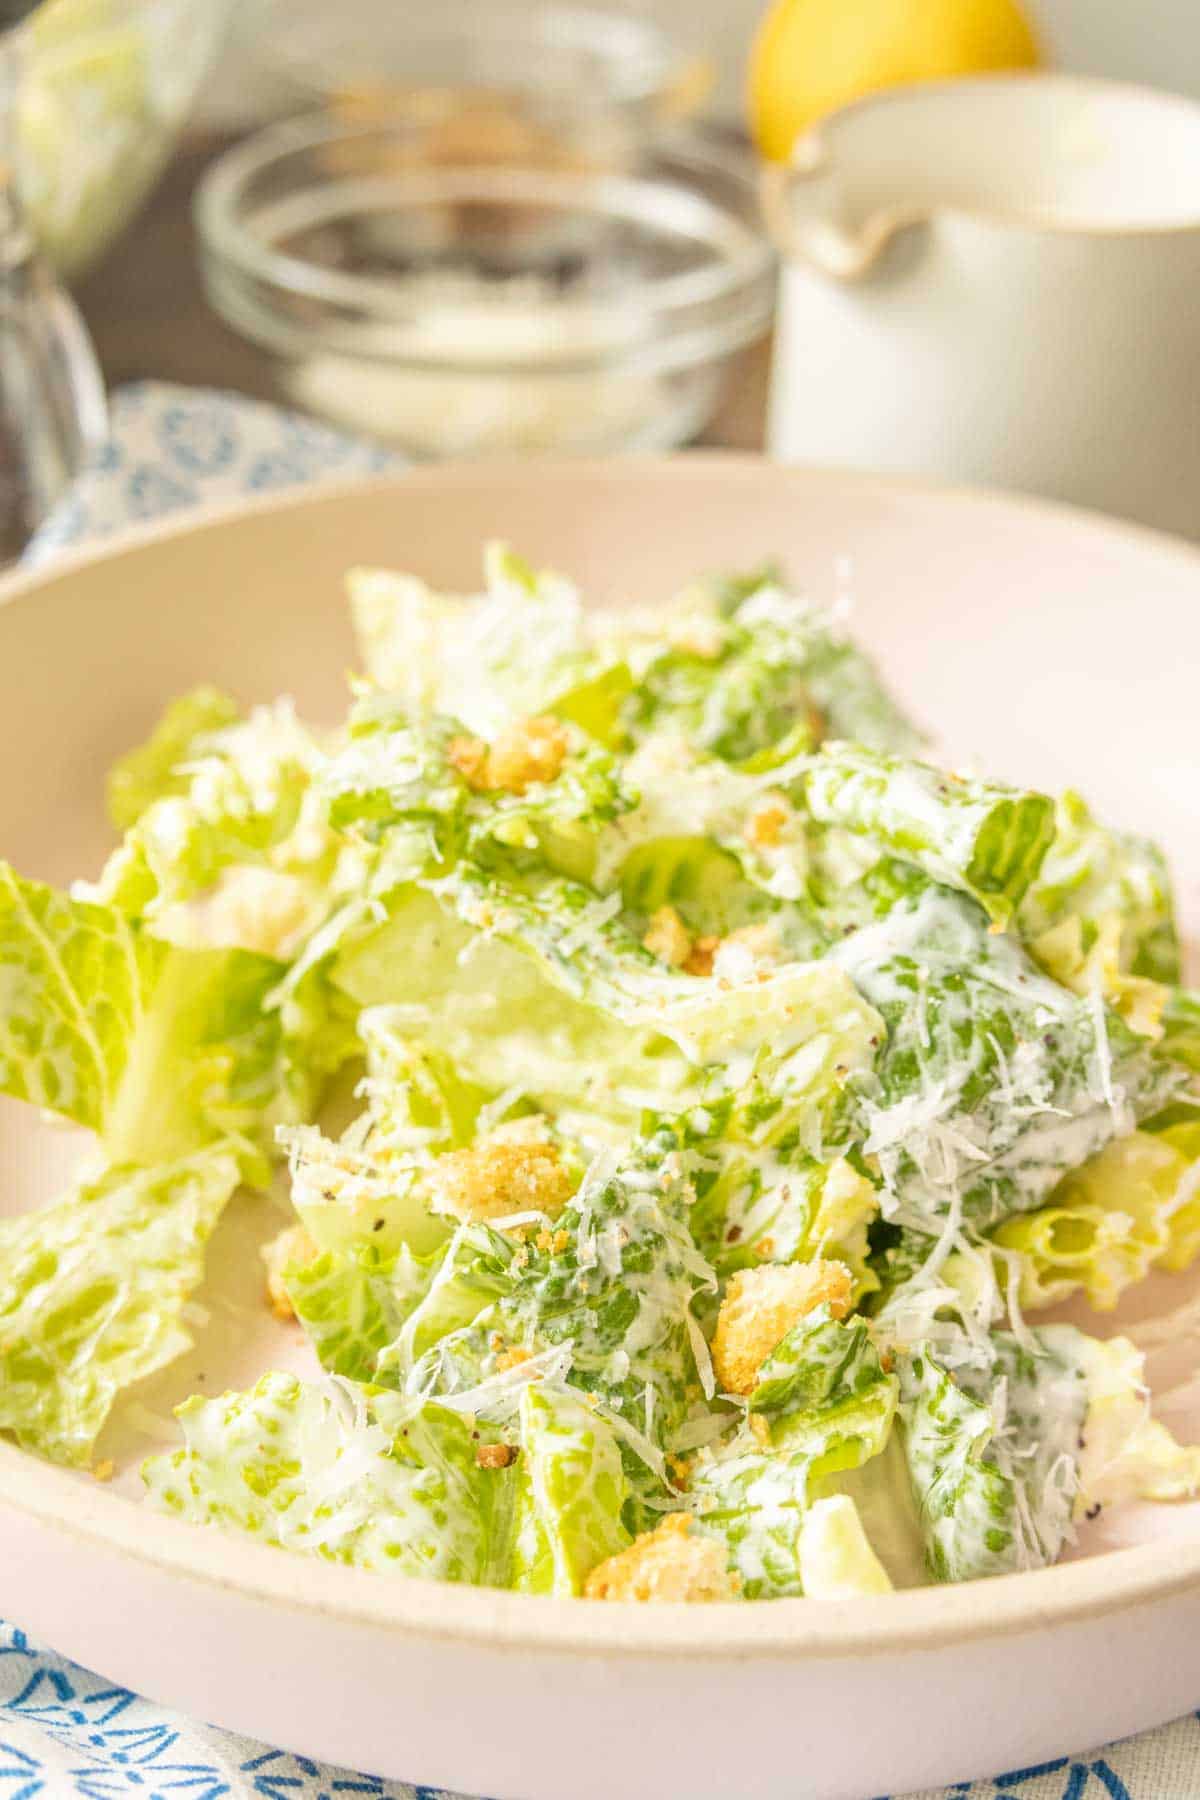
[[811, 56]]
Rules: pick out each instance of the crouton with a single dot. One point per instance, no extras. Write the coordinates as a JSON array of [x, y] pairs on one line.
[[672, 1562], [527, 751], [766, 824], [516, 1168], [494, 1456], [292, 1246], [668, 937], [701, 955], [760, 1308]]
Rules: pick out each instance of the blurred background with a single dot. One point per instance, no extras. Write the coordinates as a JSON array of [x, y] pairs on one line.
[[503, 226], [1157, 41]]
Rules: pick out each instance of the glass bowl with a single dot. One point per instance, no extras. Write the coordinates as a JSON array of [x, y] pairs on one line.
[[469, 309], [515, 81], [103, 89]]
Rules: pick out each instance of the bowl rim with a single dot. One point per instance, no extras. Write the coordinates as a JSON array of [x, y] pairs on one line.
[[74, 1506], [640, 58], [246, 275]]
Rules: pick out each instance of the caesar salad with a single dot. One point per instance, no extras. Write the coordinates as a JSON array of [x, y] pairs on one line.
[[735, 1087]]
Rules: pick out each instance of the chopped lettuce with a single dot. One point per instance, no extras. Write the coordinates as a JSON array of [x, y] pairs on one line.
[[94, 1292], [994, 1081], [986, 840], [337, 1473], [1132, 1208], [1092, 876], [738, 684], [718, 1082], [571, 1489], [157, 769], [993, 1450], [158, 1050], [823, 1391], [836, 1558]]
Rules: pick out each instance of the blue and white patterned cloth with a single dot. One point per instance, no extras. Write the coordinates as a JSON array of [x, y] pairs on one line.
[[172, 448], [65, 1732]]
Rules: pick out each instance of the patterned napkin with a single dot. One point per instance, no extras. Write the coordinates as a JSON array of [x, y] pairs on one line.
[[65, 1732]]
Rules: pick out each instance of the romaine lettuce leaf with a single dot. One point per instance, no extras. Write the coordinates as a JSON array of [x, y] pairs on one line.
[[823, 1393], [159, 1050], [773, 661], [1109, 1222], [486, 660], [337, 1472], [93, 1292], [1126, 1454], [987, 840], [1092, 874], [158, 768], [570, 1489], [994, 1081], [1181, 1028], [236, 851], [993, 1449], [836, 1558]]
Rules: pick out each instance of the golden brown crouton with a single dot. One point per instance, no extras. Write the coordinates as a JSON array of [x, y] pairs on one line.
[[516, 1168], [469, 756], [494, 1456], [668, 937], [700, 957], [765, 826], [529, 750], [511, 1358], [672, 1562], [292, 1246], [760, 1308]]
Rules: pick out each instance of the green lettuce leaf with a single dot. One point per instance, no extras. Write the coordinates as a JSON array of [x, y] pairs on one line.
[[158, 1050], [993, 1450], [571, 1487], [994, 1080], [157, 768], [1129, 1209], [485, 660], [837, 1561], [824, 1393], [1092, 874], [987, 840], [93, 1293], [770, 663], [334, 1472]]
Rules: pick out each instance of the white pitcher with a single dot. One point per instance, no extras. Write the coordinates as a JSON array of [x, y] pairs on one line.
[[997, 280]]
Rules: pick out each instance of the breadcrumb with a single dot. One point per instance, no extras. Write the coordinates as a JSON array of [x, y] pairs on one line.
[[103, 1471], [766, 824], [526, 751], [511, 1358], [516, 1168], [494, 1456], [760, 1308], [701, 956], [672, 1562], [469, 756], [668, 937], [293, 1245]]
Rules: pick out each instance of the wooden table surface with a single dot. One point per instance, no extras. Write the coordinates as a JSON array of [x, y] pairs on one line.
[[147, 313]]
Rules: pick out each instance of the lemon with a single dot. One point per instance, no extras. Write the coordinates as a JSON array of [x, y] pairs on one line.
[[811, 56]]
